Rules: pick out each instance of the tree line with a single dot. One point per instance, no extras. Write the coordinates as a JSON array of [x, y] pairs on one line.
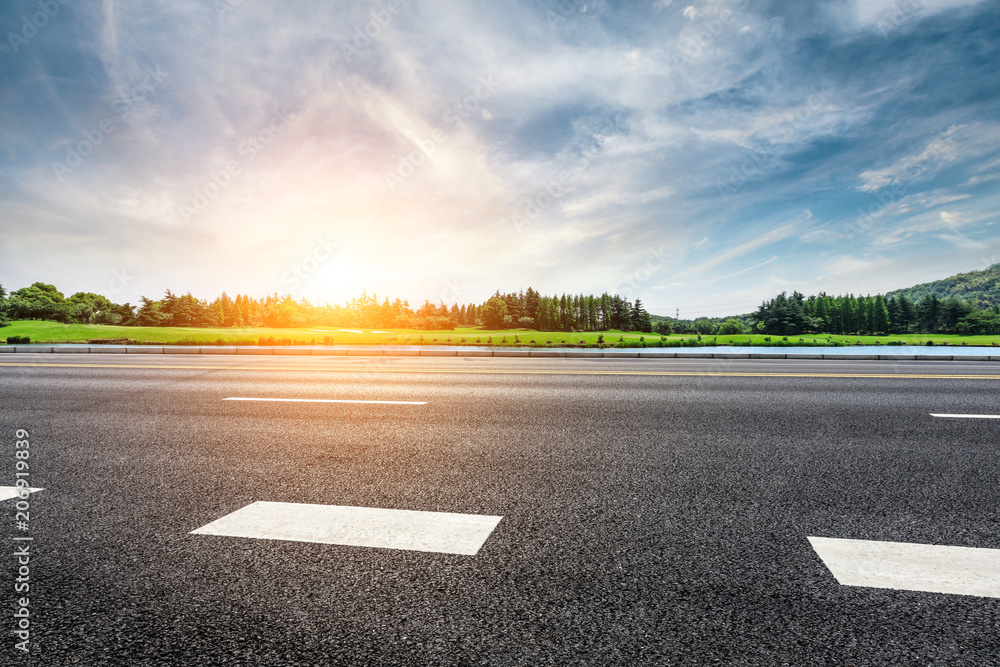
[[783, 315], [873, 315], [526, 309], [567, 312], [980, 288]]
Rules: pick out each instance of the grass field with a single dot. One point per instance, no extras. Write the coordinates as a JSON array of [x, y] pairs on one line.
[[54, 332]]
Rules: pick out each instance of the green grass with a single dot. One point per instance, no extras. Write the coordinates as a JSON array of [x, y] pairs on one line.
[[54, 332]]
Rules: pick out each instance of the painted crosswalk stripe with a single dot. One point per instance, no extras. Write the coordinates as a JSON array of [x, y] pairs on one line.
[[8, 492], [911, 567], [966, 416], [325, 400], [438, 532]]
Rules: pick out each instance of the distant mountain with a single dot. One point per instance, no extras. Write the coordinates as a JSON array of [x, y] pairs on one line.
[[981, 288]]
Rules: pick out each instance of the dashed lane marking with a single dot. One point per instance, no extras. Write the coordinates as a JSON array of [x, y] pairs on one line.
[[325, 400], [967, 416], [911, 567], [8, 492], [438, 532]]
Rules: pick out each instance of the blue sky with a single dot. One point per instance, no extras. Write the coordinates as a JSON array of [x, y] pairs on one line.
[[700, 156]]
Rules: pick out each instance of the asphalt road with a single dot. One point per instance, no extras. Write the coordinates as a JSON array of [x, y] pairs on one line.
[[654, 512]]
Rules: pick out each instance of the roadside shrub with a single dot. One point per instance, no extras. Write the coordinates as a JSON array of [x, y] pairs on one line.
[[18, 340]]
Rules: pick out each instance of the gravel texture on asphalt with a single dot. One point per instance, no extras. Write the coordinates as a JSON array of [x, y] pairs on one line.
[[647, 519]]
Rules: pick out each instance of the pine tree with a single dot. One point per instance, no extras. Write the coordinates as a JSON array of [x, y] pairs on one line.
[[880, 315]]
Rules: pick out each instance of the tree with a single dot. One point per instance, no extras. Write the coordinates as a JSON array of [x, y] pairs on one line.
[[640, 318], [927, 313], [531, 298], [704, 326], [783, 315], [731, 327], [151, 314], [907, 313], [40, 301], [4, 307], [620, 315], [494, 312], [980, 322], [880, 315], [663, 327]]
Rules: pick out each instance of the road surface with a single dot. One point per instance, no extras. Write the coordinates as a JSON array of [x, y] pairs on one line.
[[653, 512]]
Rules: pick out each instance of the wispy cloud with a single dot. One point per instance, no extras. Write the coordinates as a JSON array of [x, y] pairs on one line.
[[616, 124]]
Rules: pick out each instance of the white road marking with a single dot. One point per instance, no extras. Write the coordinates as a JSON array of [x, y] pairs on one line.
[[967, 416], [911, 567], [438, 532], [325, 400], [8, 492]]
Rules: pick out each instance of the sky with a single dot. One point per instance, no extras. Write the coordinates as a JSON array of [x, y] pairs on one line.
[[700, 156]]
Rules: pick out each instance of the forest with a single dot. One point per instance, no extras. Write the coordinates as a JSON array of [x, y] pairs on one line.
[[788, 315], [783, 315], [527, 309]]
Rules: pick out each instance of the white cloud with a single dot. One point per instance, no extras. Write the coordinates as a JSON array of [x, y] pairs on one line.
[[917, 166]]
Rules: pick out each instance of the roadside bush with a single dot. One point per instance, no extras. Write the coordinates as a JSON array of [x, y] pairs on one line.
[[18, 340]]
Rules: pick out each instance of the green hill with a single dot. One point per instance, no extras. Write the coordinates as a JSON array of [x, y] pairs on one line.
[[981, 288]]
